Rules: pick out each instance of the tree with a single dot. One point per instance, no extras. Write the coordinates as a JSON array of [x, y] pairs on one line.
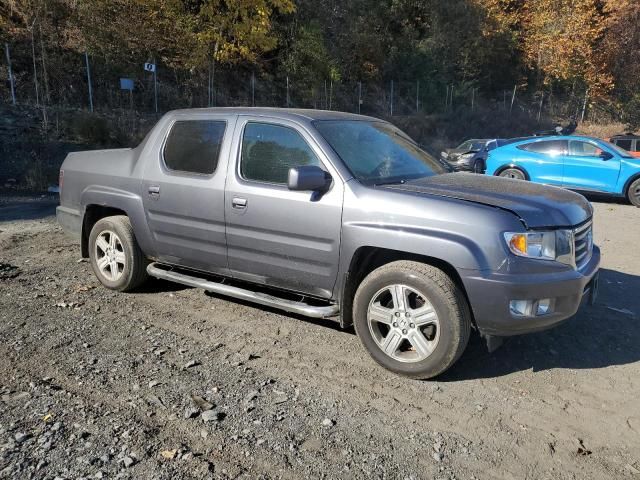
[[560, 41]]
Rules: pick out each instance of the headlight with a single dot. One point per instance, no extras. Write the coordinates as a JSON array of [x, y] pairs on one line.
[[552, 245], [466, 156]]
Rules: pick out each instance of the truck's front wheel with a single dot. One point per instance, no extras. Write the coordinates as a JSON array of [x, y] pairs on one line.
[[116, 258], [412, 318]]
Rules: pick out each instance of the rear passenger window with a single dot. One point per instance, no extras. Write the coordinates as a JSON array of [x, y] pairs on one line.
[[548, 147], [268, 151], [193, 146]]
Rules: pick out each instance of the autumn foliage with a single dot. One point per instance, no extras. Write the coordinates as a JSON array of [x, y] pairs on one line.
[[577, 47]]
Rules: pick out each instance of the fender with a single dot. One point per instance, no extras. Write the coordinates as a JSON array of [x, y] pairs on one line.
[[128, 202], [456, 249]]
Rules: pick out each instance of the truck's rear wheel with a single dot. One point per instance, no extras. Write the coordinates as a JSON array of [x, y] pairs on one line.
[[412, 318], [633, 193], [116, 258]]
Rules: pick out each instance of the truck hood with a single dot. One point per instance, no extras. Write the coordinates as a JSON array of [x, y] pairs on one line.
[[537, 205]]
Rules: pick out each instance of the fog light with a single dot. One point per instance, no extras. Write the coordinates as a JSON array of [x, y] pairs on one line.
[[521, 307], [530, 308], [545, 306]]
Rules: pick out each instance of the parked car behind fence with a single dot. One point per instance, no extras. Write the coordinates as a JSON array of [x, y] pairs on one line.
[[629, 142], [575, 162]]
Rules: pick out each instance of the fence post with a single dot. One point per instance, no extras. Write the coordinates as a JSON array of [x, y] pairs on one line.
[[513, 98], [391, 100], [253, 89], [540, 108], [331, 94], [584, 105], [446, 100], [473, 98], [13, 92], [359, 96], [35, 70], [451, 99], [155, 84], [326, 97], [86, 58], [287, 91], [209, 86]]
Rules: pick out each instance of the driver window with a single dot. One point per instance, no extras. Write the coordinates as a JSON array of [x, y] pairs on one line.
[[268, 151], [583, 149]]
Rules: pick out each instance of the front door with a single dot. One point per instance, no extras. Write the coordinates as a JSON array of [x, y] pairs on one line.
[[585, 168], [183, 191], [275, 236]]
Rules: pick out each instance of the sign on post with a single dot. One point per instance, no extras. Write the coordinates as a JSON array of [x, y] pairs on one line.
[[126, 84], [151, 67]]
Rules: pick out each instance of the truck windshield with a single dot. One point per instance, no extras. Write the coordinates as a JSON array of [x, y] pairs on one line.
[[377, 152]]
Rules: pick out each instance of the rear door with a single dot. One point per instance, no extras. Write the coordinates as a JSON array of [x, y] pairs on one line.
[[183, 190], [275, 236], [584, 168], [544, 160]]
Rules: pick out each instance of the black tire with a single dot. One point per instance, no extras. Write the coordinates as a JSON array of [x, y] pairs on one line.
[[633, 193], [134, 271], [478, 167], [449, 303], [514, 173]]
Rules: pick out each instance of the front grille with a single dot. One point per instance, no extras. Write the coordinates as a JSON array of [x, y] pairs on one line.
[[583, 243]]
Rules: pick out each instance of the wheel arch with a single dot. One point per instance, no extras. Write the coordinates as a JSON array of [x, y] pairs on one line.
[[367, 258], [100, 202], [627, 184], [514, 166], [92, 214]]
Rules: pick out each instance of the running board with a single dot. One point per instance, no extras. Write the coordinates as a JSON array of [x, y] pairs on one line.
[[155, 270]]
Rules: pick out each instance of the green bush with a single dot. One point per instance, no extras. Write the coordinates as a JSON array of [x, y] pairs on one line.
[[97, 131]]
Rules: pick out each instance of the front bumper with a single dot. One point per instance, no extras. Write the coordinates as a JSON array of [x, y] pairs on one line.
[[489, 297], [461, 166]]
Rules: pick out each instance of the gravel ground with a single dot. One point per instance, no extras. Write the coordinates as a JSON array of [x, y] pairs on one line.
[[171, 382]]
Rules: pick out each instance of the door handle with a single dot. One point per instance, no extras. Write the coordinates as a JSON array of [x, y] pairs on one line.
[[154, 190], [238, 202]]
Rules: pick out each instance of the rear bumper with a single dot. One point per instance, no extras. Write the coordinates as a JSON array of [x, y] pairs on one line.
[[70, 220], [489, 297]]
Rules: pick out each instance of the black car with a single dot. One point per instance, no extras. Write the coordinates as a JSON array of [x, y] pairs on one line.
[[628, 141], [471, 155]]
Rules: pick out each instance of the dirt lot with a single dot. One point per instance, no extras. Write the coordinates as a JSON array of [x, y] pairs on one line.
[[171, 382]]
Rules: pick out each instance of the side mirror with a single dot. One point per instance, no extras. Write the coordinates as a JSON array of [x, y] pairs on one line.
[[605, 155], [308, 178]]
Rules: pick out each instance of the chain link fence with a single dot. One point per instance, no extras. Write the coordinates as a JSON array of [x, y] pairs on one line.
[[83, 82]]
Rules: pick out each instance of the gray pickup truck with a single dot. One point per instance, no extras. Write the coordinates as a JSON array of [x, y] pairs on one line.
[[328, 214]]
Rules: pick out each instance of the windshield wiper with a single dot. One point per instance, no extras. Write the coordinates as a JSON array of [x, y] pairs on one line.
[[390, 182]]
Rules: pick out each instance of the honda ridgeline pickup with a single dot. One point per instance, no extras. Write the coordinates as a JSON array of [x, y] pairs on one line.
[[329, 214]]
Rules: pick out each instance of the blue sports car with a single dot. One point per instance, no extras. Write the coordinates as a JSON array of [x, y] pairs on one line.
[[576, 162]]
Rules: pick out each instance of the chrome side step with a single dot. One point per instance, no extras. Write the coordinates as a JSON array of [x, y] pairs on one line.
[[155, 270]]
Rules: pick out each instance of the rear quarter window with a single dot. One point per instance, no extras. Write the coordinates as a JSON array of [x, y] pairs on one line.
[[548, 147], [193, 146]]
